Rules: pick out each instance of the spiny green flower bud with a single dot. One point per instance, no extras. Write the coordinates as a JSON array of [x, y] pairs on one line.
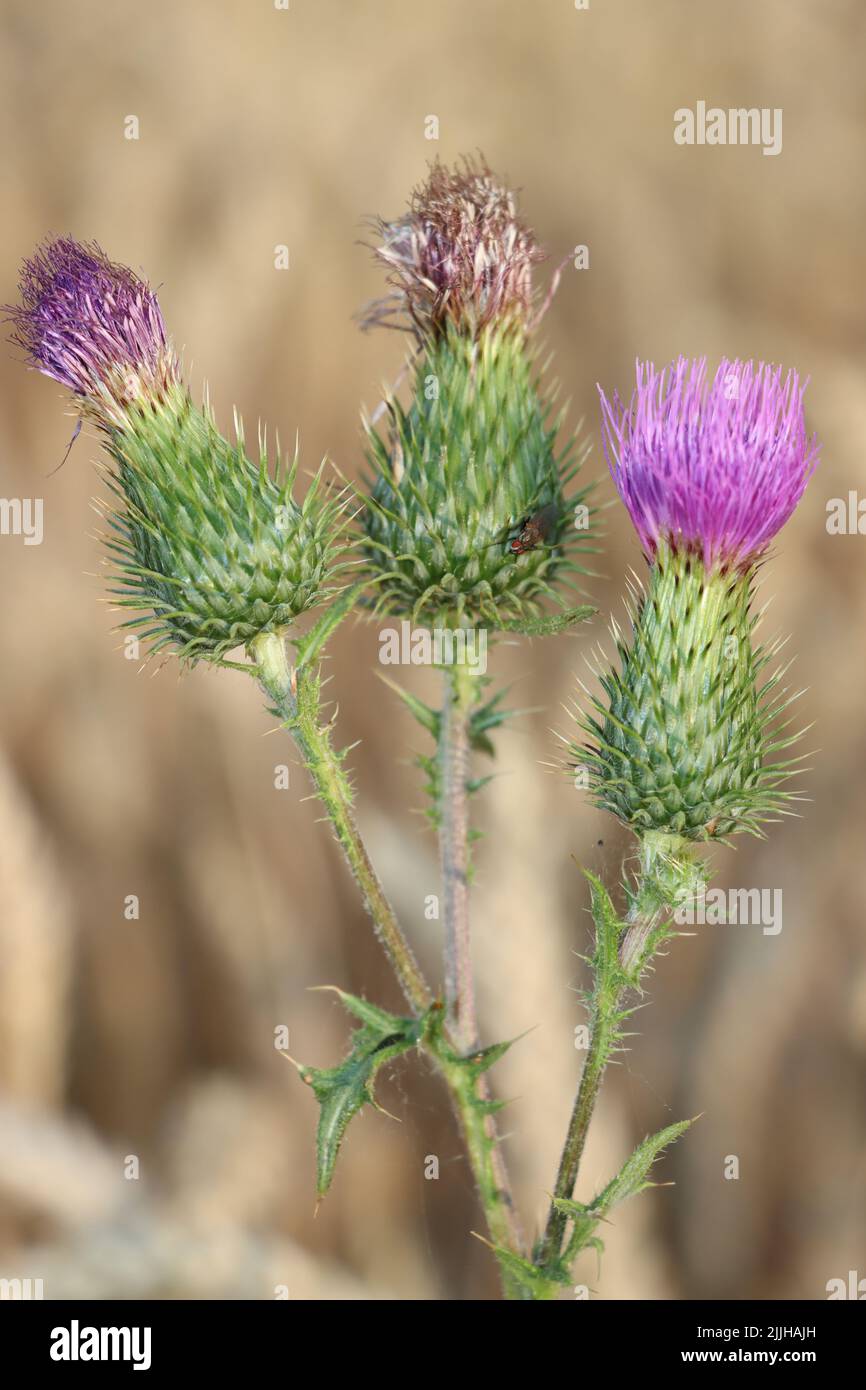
[[212, 546], [680, 746], [209, 545], [709, 474], [468, 520]]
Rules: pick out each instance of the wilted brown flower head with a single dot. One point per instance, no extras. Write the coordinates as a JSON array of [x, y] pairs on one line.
[[461, 256]]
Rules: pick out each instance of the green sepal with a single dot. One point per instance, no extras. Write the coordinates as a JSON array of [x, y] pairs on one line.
[[343, 1090], [550, 623], [629, 1181]]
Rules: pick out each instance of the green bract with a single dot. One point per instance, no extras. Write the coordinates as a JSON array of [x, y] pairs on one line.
[[212, 546], [682, 742], [460, 471]]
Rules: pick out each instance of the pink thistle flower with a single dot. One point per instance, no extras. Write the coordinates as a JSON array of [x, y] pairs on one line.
[[716, 467]]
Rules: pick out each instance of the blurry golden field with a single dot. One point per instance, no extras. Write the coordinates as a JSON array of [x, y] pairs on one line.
[[155, 1037]]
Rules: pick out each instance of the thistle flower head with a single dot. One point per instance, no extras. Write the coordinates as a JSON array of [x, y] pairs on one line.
[[468, 517], [91, 324], [461, 256], [716, 467], [209, 548]]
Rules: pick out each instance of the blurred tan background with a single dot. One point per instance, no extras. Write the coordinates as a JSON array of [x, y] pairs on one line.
[[154, 1037]]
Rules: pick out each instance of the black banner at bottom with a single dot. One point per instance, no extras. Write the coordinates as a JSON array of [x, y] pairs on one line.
[[153, 1338]]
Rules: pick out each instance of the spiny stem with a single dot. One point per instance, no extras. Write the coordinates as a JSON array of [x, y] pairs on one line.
[[281, 686], [479, 1128], [454, 856], [668, 876], [602, 1037]]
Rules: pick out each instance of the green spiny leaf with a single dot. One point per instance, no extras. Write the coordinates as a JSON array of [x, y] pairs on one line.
[[343, 1090], [629, 1181], [474, 1063], [473, 785], [429, 719], [488, 716], [550, 623], [608, 932], [534, 1284], [481, 1061]]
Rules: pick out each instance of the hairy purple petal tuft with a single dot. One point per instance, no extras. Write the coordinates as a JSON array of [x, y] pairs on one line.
[[89, 323], [713, 466]]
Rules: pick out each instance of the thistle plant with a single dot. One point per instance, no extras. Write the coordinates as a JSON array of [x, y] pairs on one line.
[[470, 519], [684, 748]]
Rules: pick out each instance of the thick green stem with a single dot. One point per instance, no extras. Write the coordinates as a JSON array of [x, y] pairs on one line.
[[602, 1037], [296, 702], [472, 1094], [454, 855], [668, 876]]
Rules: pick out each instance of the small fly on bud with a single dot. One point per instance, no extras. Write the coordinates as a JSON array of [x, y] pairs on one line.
[[532, 531]]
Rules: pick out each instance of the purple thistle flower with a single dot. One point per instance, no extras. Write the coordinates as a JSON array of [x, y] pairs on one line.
[[715, 467], [461, 255], [89, 323]]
